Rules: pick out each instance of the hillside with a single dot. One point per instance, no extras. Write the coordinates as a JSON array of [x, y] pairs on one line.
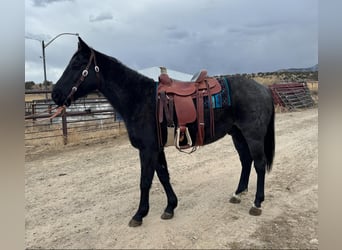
[[309, 74], [309, 69]]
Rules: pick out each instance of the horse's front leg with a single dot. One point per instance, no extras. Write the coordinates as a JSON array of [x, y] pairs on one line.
[[163, 175], [148, 162]]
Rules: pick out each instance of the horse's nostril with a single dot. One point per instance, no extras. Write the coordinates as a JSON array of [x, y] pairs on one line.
[[56, 97]]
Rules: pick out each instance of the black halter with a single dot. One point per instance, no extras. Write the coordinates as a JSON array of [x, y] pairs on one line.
[[84, 75]]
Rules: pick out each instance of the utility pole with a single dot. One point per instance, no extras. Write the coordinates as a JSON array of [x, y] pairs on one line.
[[44, 66], [44, 58]]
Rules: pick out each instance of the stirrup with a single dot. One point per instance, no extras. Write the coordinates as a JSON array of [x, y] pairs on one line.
[[188, 138]]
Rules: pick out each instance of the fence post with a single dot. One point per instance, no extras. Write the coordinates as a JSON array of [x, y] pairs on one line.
[[34, 111], [65, 128], [50, 112]]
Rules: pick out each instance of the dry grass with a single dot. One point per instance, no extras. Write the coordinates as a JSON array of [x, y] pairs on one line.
[[32, 97], [34, 143], [76, 137], [280, 109], [267, 80], [313, 85]]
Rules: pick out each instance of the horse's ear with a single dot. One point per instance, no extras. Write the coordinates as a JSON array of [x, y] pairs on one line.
[[82, 44]]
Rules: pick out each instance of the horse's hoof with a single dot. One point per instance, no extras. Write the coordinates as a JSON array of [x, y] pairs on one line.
[[235, 199], [166, 216], [134, 223], [256, 211]]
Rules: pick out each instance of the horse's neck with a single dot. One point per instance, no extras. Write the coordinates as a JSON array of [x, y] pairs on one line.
[[127, 90]]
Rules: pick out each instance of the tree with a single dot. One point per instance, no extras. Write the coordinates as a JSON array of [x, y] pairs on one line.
[[29, 85]]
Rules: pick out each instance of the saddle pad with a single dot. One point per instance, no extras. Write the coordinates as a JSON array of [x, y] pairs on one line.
[[222, 99]]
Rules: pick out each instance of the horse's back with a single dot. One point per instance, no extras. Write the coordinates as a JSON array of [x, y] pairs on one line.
[[252, 102], [248, 91]]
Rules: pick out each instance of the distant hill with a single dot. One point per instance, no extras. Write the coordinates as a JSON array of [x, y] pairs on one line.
[[309, 69], [286, 75]]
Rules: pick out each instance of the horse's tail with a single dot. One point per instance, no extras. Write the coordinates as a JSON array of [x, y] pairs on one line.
[[270, 142]]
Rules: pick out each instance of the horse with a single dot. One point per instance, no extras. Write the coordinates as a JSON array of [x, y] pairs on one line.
[[249, 121]]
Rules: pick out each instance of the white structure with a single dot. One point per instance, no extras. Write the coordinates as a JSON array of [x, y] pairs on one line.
[[154, 73]]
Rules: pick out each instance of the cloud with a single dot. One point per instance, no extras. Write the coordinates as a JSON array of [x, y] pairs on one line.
[[222, 36], [178, 34], [38, 37], [101, 17], [43, 3]]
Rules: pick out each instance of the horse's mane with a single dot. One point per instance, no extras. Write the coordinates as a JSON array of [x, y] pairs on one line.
[[124, 67]]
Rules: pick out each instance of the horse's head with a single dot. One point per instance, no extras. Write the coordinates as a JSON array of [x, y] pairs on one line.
[[79, 78]]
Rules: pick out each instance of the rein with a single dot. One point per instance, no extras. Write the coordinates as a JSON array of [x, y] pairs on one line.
[[59, 110], [42, 112]]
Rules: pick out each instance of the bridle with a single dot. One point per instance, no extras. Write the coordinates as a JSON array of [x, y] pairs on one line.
[[84, 75], [61, 109]]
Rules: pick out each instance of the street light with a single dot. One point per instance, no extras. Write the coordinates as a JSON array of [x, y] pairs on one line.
[[43, 49]]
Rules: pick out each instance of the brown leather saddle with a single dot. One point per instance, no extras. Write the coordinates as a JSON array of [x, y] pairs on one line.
[[180, 95]]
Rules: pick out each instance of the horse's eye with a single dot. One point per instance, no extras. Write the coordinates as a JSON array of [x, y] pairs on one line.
[[76, 63], [76, 66]]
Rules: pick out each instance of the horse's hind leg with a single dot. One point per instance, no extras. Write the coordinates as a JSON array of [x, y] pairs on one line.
[[259, 158], [246, 163], [164, 178]]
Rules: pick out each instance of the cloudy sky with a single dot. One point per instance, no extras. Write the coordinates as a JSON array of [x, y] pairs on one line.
[[222, 36]]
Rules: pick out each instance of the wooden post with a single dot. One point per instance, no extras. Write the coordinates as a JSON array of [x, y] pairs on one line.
[[65, 128], [50, 112], [34, 111]]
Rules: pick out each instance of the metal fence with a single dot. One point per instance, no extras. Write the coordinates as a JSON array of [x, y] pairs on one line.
[[86, 119], [292, 95]]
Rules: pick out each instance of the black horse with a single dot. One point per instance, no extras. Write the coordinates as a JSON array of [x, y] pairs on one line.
[[249, 120]]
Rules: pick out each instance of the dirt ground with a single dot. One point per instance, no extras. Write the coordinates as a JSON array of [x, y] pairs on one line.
[[83, 197]]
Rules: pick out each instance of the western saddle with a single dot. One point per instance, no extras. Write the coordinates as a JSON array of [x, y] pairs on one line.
[[180, 95]]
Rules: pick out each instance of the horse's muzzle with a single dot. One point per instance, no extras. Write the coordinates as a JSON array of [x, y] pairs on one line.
[[59, 98]]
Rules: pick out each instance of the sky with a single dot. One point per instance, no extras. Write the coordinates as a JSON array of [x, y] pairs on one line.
[[221, 36]]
